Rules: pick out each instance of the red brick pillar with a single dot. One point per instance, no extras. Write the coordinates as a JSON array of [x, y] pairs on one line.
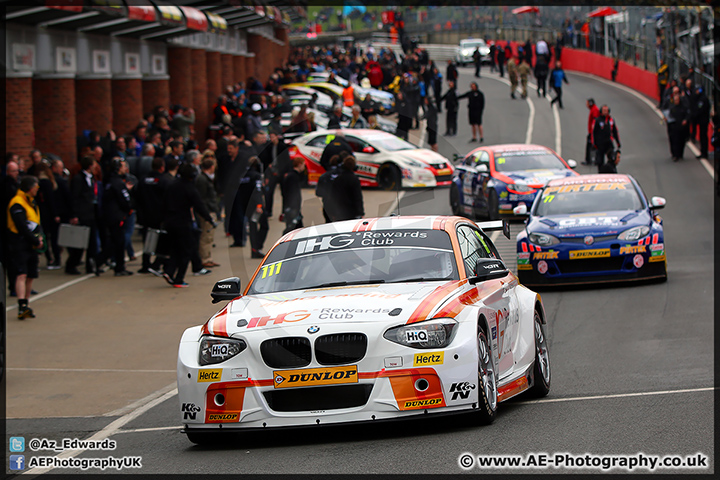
[[179, 69], [155, 91], [215, 83], [250, 67], [256, 45], [239, 68], [227, 70], [53, 98], [127, 102], [199, 94], [93, 104], [282, 35], [19, 130]]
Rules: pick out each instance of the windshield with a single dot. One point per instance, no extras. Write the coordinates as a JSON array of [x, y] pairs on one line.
[[474, 44], [527, 160], [588, 197], [357, 258], [391, 143]]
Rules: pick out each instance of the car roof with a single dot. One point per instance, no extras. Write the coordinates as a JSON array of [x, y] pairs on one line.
[[419, 222], [510, 147], [592, 178]]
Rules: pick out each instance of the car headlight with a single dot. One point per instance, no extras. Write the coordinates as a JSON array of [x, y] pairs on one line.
[[634, 233], [466, 52], [520, 188], [543, 239], [218, 349], [414, 163], [435, 333]]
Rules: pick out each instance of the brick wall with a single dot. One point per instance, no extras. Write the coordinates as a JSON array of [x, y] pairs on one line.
[[54, 117], [93, 105], [227, 70], [239, 71], [127, 101], [19, 130], [249, 67], [282, 35], [179, 63], [215, 83], [199, 93], [155, 92], [256, 45]]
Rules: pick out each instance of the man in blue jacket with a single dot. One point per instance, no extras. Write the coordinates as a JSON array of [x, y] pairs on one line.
[[557, 76]]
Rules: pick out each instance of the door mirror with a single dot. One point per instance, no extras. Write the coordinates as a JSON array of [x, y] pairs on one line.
[[520, 209], [369, 149], [488, 269], [656, 203], [482, 168], [228, 289], [572, 163]]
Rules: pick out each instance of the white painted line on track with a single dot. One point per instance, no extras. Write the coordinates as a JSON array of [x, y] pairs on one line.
[[142, 401], [54, 290], [619, 395], [709, 168], [531, 120], [155, 429], [108, 431], [91, 370]]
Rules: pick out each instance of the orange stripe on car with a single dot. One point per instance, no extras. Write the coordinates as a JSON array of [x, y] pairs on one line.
[[512, 388], [433, 299]]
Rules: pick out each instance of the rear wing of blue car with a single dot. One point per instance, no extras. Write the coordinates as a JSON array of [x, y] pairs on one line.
[[503, 225]]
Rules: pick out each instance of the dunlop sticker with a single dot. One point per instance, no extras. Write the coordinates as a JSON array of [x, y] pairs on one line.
[[428, 402], [597, 253], [315, 376]]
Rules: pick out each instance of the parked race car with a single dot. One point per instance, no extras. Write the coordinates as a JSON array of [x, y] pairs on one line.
[[590, 229], [384, 160], [466, 49], [386, 100], [365, 320], [491, 181]]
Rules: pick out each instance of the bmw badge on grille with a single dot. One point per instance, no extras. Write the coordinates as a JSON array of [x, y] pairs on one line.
[[313, 329]]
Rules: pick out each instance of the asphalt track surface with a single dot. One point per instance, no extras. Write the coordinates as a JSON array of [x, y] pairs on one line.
[[632, 365]]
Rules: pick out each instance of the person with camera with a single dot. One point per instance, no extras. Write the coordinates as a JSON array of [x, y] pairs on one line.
[[25, 239]]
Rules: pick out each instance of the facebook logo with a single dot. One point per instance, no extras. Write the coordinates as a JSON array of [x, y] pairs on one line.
[[17, 462], [17, 444]]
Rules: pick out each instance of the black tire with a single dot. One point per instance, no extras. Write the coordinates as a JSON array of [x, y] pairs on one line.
[[541, 370], [487, 383], [493, 206], [455, 201], [388, 177]]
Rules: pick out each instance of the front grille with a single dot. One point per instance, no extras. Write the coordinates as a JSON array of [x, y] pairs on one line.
[[340, 348], [591, 265], [438, 166], [598, 239], [318, 398], [287, 352], [443, 178]]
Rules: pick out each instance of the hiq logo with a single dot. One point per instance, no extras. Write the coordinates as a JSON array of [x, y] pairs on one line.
[[17, 444], [17, 462]]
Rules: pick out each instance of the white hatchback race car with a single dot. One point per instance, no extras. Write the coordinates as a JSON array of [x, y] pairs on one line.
[[365, 320], [383, 159]]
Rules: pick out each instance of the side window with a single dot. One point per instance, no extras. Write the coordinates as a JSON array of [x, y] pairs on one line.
[[483, 157], [318, 142], [356, 144], [472, 248]]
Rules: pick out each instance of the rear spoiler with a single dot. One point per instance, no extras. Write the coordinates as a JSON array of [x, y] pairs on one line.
[[503, 225]]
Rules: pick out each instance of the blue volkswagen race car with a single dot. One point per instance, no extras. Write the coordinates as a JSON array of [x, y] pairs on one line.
[[491, 181], [591, 229]]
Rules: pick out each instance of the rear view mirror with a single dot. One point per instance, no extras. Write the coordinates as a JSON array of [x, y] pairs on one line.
[[520, 209], [488, 269], [227, 289], [656, 203]]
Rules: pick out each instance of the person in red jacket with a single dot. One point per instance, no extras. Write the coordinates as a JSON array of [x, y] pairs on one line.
[[604, 131], [594, 113]]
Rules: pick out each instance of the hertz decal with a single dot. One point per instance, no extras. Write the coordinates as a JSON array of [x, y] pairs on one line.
[[315, 376], [432, 358], [631, 249], [597, 253], [428, 402], [225, 417], [214, 375], [551, 255]]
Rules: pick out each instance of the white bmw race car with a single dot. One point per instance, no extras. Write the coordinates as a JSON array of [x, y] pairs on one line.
[[383, 159], [365, 320]]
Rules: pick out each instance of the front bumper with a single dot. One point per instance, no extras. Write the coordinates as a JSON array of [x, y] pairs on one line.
[[390, 381]]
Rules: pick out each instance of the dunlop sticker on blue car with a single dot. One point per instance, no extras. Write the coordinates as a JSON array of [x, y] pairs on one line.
[[597, 253], [315, 376]]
